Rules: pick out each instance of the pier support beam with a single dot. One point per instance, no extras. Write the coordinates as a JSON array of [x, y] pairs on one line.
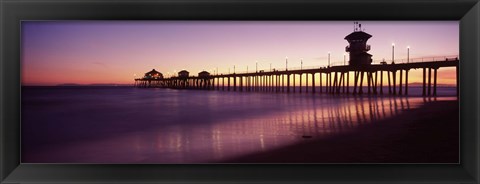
[[360, 91], [389, 83], [329, 82], [429, 81], [257, 83], [300, 89], [313, 82], [234, 83], [294, 76], [327, 79], [277, 89], [381, 82], [370, 78], [348, 82], [424, 83], [241, 83], [321, 90], [435, 82], [400, 83], [335, 83], [394, 82], [265, 82], [288, 83], [355, 80], [406, 82], [306, 83], [228, 87], [341, 83]]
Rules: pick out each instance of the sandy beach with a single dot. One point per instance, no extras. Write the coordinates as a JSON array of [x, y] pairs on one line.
[[429, 134]]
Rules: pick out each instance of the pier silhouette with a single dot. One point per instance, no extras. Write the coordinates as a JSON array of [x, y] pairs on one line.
[[364, 71], [335, 83]]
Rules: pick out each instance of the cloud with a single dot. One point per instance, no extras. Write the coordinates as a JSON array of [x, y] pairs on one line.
[[100, 64]]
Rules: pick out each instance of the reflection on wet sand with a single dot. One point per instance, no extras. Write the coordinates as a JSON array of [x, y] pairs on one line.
[[223, 140], [305, 119]]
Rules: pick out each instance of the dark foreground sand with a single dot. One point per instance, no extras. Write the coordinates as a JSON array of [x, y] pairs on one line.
[[429, 134]]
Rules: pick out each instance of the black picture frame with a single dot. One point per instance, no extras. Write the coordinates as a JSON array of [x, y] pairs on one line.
[[12, 12]]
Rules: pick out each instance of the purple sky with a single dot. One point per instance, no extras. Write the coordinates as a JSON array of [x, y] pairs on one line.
[[85, 52]]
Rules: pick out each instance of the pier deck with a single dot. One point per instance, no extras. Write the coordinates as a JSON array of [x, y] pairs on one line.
[[337, 79]]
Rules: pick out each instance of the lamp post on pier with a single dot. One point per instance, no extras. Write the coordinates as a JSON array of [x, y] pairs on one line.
[[328, 59], [301, 63], [393, 53], [408, 54], [286, 63], [256, 66]]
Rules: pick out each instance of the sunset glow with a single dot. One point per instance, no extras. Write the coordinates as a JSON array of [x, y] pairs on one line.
[[114, 52]]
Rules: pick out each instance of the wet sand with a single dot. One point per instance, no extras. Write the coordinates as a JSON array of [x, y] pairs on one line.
[[429, 134]]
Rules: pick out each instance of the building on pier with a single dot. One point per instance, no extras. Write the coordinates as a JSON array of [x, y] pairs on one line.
[[203, 74], [358, 47], [183, 74], [154, 74]]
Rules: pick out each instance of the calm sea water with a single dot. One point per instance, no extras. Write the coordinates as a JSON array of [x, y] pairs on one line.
[[132, 125]]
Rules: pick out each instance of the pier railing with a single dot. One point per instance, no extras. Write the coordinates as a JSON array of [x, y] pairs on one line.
[[344, 63], [420, 59]]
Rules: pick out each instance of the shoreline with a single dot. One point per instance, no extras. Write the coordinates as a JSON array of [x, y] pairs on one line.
[[429, 134]]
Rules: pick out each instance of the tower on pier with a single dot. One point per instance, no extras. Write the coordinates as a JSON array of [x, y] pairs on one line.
[[358, 47]]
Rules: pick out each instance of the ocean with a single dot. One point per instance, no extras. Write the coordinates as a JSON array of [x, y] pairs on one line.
[[95, 124]]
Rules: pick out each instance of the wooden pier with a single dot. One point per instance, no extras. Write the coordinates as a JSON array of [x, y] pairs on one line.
[[366, 79]]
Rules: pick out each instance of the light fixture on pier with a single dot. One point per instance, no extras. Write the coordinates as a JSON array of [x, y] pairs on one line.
[[408, 54], [393, 53], [328, 58], [286, 63], [301, 63], [256, 66]]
